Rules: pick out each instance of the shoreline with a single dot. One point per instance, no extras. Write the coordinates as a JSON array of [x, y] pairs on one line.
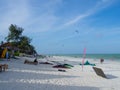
[[92, 56]]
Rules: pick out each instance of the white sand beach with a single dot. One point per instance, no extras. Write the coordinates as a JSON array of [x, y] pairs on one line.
[[20, 76]]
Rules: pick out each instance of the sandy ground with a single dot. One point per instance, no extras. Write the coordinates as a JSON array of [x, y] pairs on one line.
[[20, 76]]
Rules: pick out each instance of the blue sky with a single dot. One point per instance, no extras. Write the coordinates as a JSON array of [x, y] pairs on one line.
[[65, 26]]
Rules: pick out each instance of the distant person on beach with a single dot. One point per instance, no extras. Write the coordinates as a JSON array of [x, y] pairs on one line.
[[101, 60], [36, 61], [7, 55]]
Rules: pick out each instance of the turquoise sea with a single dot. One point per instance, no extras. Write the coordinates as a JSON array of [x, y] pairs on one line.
[[94, 56]]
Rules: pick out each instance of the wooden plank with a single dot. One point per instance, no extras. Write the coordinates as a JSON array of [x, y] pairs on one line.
[[99, 72]]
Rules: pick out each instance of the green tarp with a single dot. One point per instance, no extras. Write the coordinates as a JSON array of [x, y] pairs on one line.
[[88, 63]]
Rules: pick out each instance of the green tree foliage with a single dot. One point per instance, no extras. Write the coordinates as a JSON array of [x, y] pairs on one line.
[[18, 40], [24, 41], [14, 33], [25, 46]]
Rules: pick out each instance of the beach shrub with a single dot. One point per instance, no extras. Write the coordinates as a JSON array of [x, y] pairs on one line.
[[16, 53]]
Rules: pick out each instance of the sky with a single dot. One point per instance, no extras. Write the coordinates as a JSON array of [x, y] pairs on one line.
[[65, 26]]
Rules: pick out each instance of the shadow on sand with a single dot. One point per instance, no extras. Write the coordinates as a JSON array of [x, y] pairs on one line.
[[28, 86], [111, 76]]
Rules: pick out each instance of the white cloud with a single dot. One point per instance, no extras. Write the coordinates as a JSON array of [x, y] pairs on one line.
[[42, 17], [99, 6], [15, 12], [76, 19], [35, 17], [42, 23]]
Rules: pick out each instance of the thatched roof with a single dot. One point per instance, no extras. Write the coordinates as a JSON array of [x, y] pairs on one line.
[[8, 44]]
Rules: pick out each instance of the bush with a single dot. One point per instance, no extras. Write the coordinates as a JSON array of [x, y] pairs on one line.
[[16, 53]]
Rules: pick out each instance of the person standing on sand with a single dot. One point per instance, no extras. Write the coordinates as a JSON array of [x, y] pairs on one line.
[[7, 55], [101, 60]]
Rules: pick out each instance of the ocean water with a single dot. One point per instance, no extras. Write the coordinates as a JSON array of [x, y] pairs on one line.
[[94, 56]]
